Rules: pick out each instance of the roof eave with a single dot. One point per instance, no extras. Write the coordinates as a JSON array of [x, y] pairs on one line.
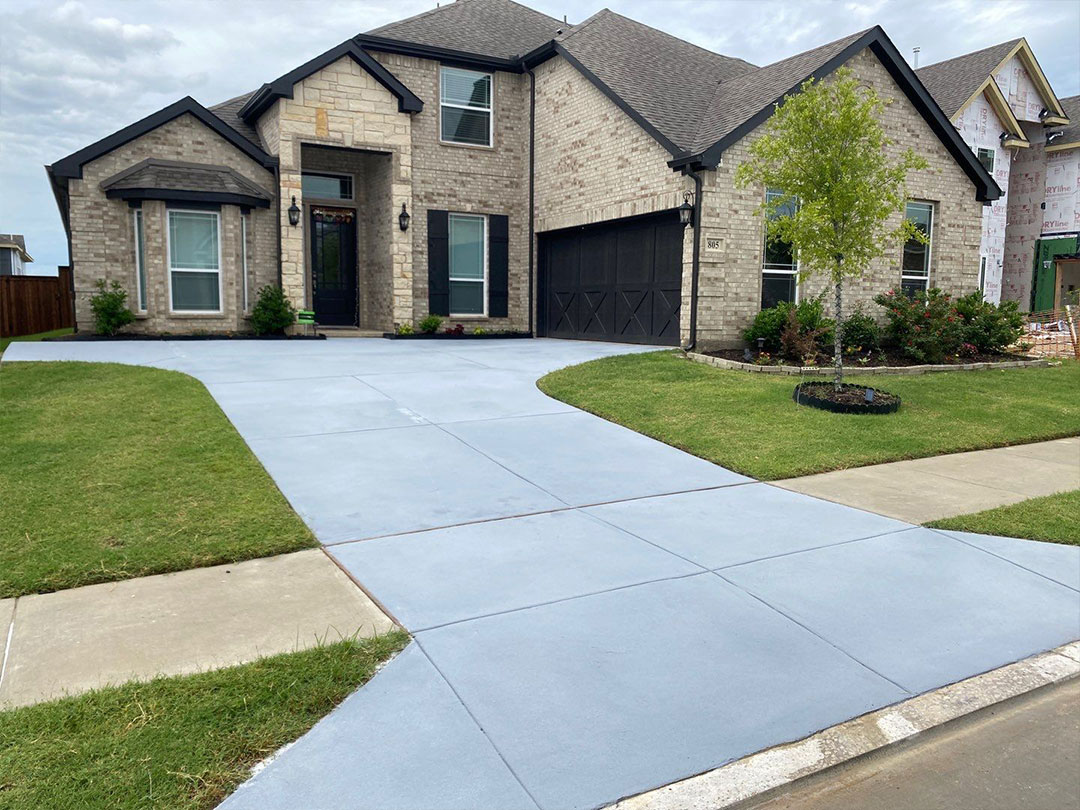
[[438, 54], [986, 190], [1061, 147], [184, 196], [71, 166]]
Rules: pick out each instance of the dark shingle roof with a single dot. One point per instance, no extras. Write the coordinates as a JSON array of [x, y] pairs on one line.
[[228, 112], [666, 80], [174, 175], [501, 29], [1070, 133], [739, 99], [15, 239], [953, 81]]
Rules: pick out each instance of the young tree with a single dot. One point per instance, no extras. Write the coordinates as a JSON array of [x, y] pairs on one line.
[[825, 150]]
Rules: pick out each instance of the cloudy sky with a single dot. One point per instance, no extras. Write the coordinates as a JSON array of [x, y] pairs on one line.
[[73, 72]]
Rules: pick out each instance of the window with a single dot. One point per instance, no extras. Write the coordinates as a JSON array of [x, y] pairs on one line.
[[140, 263], [780, 268], [915, 266], [326, 186], [466, 106], [982, 274], [986, 158], [194, 261], [468, 274], [243, 256]]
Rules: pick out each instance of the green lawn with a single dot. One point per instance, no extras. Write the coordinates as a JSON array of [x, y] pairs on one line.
[[6, 341], [748, 422], [1054, 518], [179, 743], [110, 472]]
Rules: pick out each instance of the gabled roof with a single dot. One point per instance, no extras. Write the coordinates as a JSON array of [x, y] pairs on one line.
[[71, 166], [497, 29], [1070, 133], [16, 242], [666, 81], [180, 181], [229, 112], [955, 82], [282, 87]]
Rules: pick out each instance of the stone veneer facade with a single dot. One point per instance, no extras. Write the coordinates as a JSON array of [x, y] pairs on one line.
[[593, 163]]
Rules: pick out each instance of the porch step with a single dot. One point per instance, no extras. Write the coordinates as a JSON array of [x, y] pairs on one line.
[[349, 332]]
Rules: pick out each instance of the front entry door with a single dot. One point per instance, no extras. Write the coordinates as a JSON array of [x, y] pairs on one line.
[[333, 265]]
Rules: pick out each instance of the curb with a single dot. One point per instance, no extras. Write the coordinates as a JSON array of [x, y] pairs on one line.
[[776, 767], [856, 370]]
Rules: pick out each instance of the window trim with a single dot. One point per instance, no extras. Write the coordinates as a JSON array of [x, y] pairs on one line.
[[319, 173], [168, 257], [929, 247], [775, 271], [141, 292], [490, 109], [484, 255]]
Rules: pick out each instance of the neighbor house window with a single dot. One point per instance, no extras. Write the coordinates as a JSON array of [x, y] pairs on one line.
[[243, 256], [986, 158], [326, 186], [982, 274], [465, 106], [194, 261], [467, 264], [779, 267], [140, 262], [915, 266]]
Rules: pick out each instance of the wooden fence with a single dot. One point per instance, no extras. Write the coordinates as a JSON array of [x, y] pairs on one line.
[[32, 304]]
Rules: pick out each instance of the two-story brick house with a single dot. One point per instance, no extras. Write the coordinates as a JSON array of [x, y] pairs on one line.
[[488, 163]]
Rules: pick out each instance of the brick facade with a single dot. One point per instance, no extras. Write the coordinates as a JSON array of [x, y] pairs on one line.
[[103, 239]]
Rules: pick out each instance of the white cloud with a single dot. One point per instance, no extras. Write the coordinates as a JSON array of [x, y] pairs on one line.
[[81, 70]]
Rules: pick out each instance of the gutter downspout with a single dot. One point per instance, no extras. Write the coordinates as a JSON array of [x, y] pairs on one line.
[[696, 263], [532, 189]]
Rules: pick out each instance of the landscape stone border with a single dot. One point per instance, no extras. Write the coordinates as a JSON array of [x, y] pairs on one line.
[[827, 371], [774, 768]]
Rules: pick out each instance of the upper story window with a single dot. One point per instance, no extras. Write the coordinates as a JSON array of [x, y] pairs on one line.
[[465, 107], [915, 266], [326, 186], [194, 261], [779, 265], [986, 158]]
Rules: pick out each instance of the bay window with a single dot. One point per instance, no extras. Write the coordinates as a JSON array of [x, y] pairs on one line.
[[140, 261], [194, 261]]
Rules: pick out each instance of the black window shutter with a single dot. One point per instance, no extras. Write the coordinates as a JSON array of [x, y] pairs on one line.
[[498, 265], [438, 251]]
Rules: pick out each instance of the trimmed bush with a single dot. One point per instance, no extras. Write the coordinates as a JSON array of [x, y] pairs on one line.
[[861, 333], [990, 328], [771, 323], [272, 313], [925, 327], [109, 305], [430, 325]]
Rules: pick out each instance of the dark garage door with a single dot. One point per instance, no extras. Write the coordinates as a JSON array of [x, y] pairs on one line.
[[618, 281]]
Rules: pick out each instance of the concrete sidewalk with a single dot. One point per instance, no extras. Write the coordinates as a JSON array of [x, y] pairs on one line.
[[928, 489], [171, 624]]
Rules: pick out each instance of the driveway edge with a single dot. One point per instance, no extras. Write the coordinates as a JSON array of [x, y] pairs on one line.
[[775, 767]]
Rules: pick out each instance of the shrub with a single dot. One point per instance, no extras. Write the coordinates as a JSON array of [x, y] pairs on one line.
[[479, 331], [430, 325], [459, 330], [109, 305], [272, 313], [800, 343], [925, 327], [404, 329], [770, 324], [861, 332], [990, 328]]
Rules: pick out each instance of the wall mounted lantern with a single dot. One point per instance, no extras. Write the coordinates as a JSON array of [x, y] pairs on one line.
[[403, 218], [294, 213], [686, 210]]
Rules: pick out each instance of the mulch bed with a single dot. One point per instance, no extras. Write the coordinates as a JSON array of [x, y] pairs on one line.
[[89, 337], [852, 362], [848, 399]]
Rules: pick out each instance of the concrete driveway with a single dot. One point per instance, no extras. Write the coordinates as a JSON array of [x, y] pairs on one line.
[[595, 614]]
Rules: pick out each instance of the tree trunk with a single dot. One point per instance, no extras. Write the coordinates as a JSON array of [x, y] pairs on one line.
[[838, 354]]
